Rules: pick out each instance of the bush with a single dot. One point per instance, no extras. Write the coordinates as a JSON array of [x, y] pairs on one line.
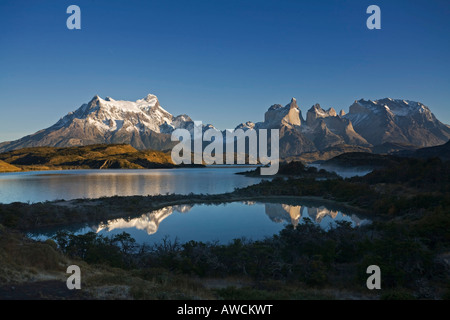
[[97, 249]]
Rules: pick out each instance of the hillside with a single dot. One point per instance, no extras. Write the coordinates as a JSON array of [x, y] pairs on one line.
[[6, 167], [116, 156], [363, 159], [294, 169], [441, 151], [326, 154]]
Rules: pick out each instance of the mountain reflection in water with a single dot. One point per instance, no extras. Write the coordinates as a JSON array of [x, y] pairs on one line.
[[148, 222], [277, 212]]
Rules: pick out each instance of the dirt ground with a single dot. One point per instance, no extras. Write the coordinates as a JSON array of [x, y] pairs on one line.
[[40, 290]]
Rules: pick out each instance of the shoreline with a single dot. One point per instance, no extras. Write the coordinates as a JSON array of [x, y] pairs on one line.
[[191, 166], [104, 169]]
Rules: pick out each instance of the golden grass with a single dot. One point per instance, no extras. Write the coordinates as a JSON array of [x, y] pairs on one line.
[[6, 167], [100, 156], [22, 259]]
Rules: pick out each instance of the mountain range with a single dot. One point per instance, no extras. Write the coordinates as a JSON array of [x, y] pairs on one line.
[[386, 124]]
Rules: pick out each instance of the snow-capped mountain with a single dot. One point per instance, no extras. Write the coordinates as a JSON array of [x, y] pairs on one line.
[[110, 116], [325, 128], [278, 116], [321, 129], [368, 124], [399, 121], [144, 124]]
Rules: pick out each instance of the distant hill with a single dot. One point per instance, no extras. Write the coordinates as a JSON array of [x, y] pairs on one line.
[[393, 147], [442, 152], [328, 153], [365, 159], [362, 159], [294, 169], [113, 156]]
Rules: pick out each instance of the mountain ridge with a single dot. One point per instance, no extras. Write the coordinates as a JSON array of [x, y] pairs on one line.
[[145, 124]]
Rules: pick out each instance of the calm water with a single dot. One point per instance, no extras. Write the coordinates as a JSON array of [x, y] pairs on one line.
[[252, 220], [39, 186], [222, 223]]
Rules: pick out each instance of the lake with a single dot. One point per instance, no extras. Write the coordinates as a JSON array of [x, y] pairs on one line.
[[39, 186], [252, 220], [221, 223]]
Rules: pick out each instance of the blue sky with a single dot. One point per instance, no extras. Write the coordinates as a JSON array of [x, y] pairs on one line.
[[221, 62]]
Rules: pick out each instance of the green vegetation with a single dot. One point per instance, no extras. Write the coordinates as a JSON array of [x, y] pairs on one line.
[[295, 169], [363, 159]]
